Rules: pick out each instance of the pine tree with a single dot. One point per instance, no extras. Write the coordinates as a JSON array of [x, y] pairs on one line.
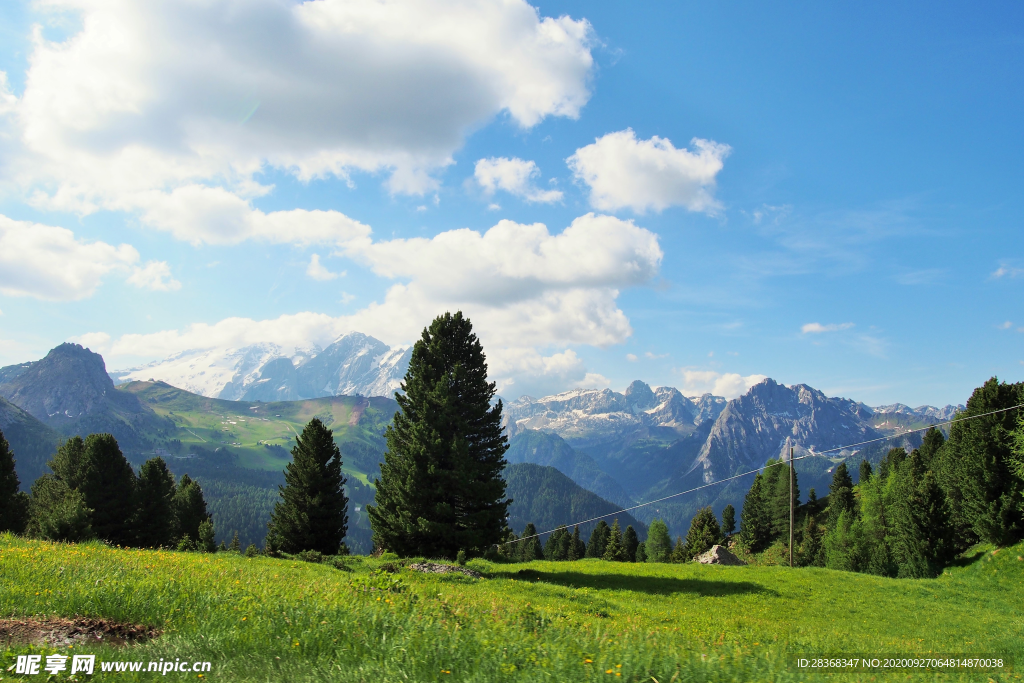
[[530, 549], [189, 509], [679, 552], [729, 520], [613, 549], [313, 511], [222, 548], [236, 546], [865, 472], [810, 545], [556, 548], [577, 548], [840, 497], [108, 486], [931, 444], [755, 518], [977, 468], [441, 487], [207, 533], [630, 543], [154, 526], [641, 552], [598, 540], [703, 535], [69, 462], [780, 501], [658, 546], [13, 503], [58, 513]]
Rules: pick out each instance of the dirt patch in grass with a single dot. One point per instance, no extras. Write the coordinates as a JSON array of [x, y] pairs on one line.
[[58, 632]]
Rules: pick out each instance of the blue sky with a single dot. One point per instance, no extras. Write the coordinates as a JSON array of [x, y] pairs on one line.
[[852, 222]]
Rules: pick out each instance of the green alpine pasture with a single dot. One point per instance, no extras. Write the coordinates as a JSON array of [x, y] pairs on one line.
[[262, 619]]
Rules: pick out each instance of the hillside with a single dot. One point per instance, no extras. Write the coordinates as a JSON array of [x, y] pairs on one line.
[[33, 442], [280, 620], [548, 498]]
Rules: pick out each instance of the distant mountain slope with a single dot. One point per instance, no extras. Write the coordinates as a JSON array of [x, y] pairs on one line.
[[70, 391], [544, 448], [353, 364], [33, 442], [548, 498]]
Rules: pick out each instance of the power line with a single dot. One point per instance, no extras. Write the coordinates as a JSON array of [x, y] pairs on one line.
[[791, 460]]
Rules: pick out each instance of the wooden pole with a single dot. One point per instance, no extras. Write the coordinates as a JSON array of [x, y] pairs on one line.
[[791, 505]]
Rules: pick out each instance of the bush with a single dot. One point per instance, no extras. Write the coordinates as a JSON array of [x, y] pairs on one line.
[[251, 551], [460, 557], [389, 556], [314, 556]]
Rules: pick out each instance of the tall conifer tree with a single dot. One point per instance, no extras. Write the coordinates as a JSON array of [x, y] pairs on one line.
[[613, 549], [658, 546], [154, 526], [313, 512], [441, 488], [728, 520], [755, 518], [189, 510], [598, 540], [108, 485], [13, 504], [704, 533], [840, 494], [630, 542]]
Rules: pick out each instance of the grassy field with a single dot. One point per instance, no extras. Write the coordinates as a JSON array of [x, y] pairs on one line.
[[266, 619]]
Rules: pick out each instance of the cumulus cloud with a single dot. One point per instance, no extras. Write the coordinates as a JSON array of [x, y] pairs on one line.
[[154, 275], [94, 341], [524, 288], [818, 328], [50, 263], [642, 175], [514, 176], [149, 98], [729, 384], [317, 271]]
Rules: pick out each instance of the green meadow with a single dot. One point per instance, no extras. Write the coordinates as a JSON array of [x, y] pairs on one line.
[[263, 619]]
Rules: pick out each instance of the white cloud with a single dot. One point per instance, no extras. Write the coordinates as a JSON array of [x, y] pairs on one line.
[[514, 176], [729, 384], [631, 357], [48, 262], [655, 356], [623, 172], [818, 328], [150, 98], [317, 271], [1007, 271], [155, 275], [94, 341], [523, 287], [1005, 326]]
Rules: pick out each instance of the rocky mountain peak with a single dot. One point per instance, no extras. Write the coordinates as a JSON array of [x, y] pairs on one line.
[[639, 396]]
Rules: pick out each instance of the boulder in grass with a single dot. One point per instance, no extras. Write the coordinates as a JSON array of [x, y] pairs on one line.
[[719, 555]]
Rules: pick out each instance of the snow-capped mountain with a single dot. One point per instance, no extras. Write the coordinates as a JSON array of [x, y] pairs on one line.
[[353, 364], [586, 416]]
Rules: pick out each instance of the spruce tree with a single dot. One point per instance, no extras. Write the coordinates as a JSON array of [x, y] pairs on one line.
[[641, 552], [189, 508], [598, 540], [206, 542], [13, 503], [577, 548], [931, 444], [313, 511], [556, 548], [678, 553], [530, 548], [108, 486], [236, 545], [977, 468], [441, 487], [780, 501], [630, 543], [658, 546], [154, 526], [865, 472], [703, 535], [613, 549], [755, 518], [69, 462], [840, 496], [58, 513], [729, 520]]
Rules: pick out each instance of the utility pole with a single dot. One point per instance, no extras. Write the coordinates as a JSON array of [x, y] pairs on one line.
[[791, 505]]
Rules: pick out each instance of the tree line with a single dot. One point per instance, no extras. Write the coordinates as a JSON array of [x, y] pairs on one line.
[[92, 492], [913, 513]]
